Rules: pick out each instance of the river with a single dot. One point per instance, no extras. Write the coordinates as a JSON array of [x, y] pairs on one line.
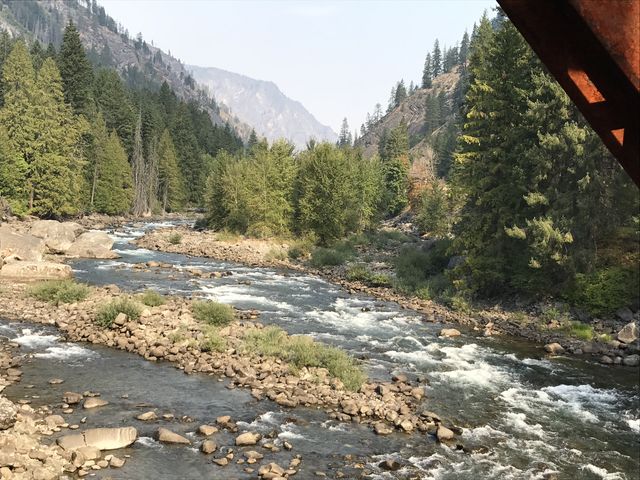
[[526, 415]]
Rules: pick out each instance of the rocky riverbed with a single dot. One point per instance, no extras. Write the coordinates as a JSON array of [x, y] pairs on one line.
[[623, 348]]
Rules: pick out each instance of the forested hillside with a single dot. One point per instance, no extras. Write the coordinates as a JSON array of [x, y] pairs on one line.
[[76, 138], [110, 45]]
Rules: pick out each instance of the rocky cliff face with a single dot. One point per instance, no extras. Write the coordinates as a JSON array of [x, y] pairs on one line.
[[142, 64], [413, 111], [262, 105]]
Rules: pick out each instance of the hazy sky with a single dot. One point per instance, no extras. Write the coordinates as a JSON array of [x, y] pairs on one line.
[[338, 58]]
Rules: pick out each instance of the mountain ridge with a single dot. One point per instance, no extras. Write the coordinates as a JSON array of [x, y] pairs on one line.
[[261, 104]]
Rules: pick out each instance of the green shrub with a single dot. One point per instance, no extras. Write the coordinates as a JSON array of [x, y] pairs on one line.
[[213, 341], [415, 266], [108, 313], [59, 291], [151, 298], [175, 238], [227, 236], [604, 291], [301, 248], [358, 273], [276, 254], [302, 351], [328, 257], [212, 313]]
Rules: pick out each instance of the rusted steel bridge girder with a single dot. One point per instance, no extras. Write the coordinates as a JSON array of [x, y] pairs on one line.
[[592, 48]]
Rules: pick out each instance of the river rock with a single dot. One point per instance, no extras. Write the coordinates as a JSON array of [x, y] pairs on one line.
[[208, 447], [36, 270], [167, 436], [71, 397], [247, 438], [382, 428], [444, 434], [8, 413], [100, 438], [390, 465], [58, 236], [23, 245], [92, 245], [449, 332], [554, 348], [628, 333], [89, 453], [54, 420], [625, 314], [116, 462], [147, 416], [207, 430], [94, 402], [631, 360]]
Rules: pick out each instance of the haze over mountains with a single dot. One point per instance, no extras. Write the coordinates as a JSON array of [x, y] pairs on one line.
[[242, 102], [262, 105]]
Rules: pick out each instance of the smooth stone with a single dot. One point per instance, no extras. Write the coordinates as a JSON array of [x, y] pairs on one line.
[[167, 436]]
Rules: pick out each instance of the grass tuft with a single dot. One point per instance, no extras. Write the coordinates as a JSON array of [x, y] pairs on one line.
[[212, 313], [108, 313], [302, 351], [151, 298], [213, 341], [59, 291], [175, 239]]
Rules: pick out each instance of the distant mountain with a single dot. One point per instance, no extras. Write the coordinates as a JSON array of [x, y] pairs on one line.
[[262, 105], [108, 44]]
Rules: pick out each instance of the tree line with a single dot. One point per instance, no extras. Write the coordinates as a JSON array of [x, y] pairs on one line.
[[534, 200], [76, 139]]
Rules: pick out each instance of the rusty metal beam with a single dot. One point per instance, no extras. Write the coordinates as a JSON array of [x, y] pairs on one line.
[[592, 49]]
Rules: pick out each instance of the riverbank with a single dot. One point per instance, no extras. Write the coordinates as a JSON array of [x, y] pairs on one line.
[[606, 344], [169, 332]]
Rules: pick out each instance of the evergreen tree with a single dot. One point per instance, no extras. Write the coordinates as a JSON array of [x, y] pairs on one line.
[[75, 69], [344, 138], [395, 165], [427, 72], [171, 188], [401, 93], [392, 100], [113, 101], [56, 170], [13, 170], [138, 167], [436, 60], [114, 186], [464, 49]]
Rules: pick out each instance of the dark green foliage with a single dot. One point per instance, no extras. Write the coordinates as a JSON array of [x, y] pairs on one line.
[[212, 313], [75, 70], [59, 291], [435, 210], [394, 151], [415, 266], [108, 313], [329, 257], [605, 290], [175, 239]]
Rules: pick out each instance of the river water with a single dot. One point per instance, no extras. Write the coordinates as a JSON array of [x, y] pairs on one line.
[[534, 416]]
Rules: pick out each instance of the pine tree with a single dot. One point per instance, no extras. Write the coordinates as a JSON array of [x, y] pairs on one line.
[[75, 69], [427, 72], [395, 165], [392, 100], [436, 60], [113, 101], [56, 177], [344, 138], [170, 183], [114, 186], [13, 172], [401, 93], [138, 166], [464, 49], [19, 121]]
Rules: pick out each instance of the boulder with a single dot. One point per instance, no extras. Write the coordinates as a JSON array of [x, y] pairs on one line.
[[390, 465], [8, 412], [444, 434], [58, 236], [36, 270], [71, 397], [23, 245], [208, 446], [247, 438], [554, 348], [207, 430], [116, 462], [94, 402], [631, 360], [147, 416], [92, 245], [382, 428], [167, 436], [628, 333], [449, 332], [100, 438], [625, 314]]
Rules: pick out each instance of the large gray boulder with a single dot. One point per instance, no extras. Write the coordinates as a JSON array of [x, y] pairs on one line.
[[35, 271], [8, 412], [21, 245], [58, 236], [100, 438], [628, 333], [92, 245]]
